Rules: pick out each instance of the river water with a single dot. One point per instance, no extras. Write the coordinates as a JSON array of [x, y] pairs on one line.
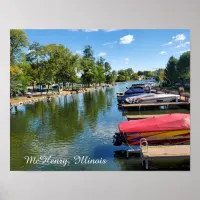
[[77, 128]]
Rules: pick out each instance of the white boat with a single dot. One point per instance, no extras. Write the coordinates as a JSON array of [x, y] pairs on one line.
[[152, 98]]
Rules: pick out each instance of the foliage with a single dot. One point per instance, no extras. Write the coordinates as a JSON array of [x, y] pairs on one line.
[[88, 52], [140, 73], [54, 63], [135, 76], [37, 61], [158, 79], [171, 71], [183, 67], [130, 72], [18, 40]]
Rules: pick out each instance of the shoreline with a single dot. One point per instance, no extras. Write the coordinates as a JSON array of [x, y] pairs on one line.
[[23, 100]]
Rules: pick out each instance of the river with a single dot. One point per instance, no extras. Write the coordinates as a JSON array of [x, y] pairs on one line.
[[69, 127]]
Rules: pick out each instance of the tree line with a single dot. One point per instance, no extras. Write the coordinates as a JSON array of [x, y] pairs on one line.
[[178, 70], [52, 63]]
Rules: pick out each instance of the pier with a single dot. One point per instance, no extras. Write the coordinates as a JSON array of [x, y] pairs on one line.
[[166, 105], [176, 152], [171, 152]]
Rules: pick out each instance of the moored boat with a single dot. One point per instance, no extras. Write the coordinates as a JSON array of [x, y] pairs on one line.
[[151, 98], [166, 129], [135, 90], [123, 98]]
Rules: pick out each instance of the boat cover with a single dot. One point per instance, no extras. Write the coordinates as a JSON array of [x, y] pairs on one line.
[[169, 122]]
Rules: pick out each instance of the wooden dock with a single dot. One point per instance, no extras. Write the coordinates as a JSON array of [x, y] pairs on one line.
[[175, 152], [135, 117], [166, 105]]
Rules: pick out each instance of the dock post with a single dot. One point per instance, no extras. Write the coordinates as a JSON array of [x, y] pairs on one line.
[[176, 99], [146, 164]]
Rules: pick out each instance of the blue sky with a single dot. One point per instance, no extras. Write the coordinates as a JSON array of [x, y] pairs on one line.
[[134, 48]]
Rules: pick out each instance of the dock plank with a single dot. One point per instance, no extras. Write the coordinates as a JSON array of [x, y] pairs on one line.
[[154, 104], [166, 151]]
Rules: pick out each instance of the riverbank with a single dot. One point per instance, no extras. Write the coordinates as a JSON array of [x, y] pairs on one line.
[[47, 96]]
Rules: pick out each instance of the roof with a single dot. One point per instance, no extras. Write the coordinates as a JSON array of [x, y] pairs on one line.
[[168, 122]]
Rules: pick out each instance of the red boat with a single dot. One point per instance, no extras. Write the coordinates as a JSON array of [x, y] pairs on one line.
[[165, 129]]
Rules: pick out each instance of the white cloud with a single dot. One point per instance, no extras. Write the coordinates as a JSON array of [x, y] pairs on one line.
[[179, 37], [109, 43], [79, 52], [163, 52], [126, 60], [183, 51], [126, 39], [169, 43], [90, 30], [183, 44], [102, 54], [109, 30]]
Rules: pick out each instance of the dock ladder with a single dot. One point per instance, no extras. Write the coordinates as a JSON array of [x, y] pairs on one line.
[[144, 150]]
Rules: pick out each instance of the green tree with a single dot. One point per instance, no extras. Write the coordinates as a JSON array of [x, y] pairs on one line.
[[88, 52], [140, 73], [73, 69], [114, 76], [37, 59], [107, 68], [158, 79], [121, 75], [171, 71], [130, 72], [15, 75], [183, 67], [18, 40], [100, 76], [135, 76], [62, 64], [101, 61], [88, 71]]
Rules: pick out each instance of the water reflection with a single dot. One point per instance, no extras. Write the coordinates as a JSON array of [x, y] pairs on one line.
[[80, 124]]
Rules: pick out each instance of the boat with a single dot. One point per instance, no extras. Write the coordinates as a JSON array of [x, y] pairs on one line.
[[135, 90], [151, 98], [158, 130], [137, 85], [123, 98], [131, 93]]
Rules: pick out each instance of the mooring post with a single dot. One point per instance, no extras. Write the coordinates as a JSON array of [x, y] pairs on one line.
[[176, 99], [147, 166]]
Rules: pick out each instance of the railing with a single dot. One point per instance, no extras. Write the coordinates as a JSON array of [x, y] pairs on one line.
[[182, 94], [143, 141]]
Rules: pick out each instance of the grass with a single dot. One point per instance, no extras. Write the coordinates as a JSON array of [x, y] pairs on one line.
[[16, 98]]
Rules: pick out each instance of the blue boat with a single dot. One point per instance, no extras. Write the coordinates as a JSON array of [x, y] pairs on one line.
[[135, 90]]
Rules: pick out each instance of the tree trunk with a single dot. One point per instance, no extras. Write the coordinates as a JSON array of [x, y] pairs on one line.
[[41, 89], [48, 88]]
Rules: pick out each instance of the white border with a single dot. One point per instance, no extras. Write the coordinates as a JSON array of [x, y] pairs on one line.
[[132, 14]]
